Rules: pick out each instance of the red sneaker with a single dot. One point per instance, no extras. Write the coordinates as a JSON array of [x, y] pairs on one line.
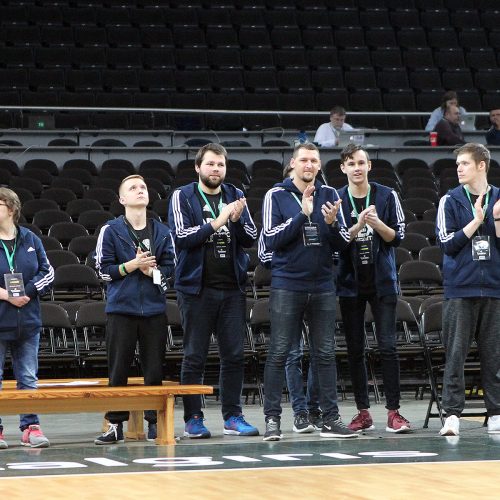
[[3, 443], [397, 423], [362, 422], [34, 438]]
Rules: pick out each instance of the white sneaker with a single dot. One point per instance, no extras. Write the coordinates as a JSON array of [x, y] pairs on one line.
[[494, 424], [451, 426]]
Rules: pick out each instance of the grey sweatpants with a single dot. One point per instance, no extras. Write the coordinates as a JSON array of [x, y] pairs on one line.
[[464, 319]]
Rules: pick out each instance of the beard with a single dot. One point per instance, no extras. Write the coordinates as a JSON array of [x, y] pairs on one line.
[[212, 184]]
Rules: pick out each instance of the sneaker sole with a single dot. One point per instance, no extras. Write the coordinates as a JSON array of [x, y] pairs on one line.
[[403, 430], [196, 436], [305, 430], [273, 438], [151, 440], [332, 435], [230, 432], [363, 429], [118, 441], [39, 445], [449, 433]]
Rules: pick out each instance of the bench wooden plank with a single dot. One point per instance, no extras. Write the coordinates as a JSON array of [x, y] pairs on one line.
[[97, 398]]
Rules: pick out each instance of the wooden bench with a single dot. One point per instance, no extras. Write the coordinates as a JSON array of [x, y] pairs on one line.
[[98, 396]]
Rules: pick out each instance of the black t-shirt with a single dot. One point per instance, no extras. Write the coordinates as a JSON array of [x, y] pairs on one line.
[[9, 244], [364, 247], [218, 265], [473, 199]]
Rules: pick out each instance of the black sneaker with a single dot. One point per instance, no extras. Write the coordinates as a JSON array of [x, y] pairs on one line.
[[301, 424], [273, 431], [152, 431], [337, 429], [316, 419], [113, 435]]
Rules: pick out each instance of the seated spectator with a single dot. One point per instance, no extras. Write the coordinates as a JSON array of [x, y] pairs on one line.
[[328, 133], [448, 129], [493, 134], [448, 98]]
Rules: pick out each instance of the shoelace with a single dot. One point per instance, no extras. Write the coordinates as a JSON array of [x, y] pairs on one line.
[[272, 425], [400, 417], [112, 429]]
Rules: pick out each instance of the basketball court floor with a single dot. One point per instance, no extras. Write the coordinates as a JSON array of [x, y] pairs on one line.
[[375, 465]]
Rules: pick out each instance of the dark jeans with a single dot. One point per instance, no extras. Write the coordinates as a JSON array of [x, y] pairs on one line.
[[221, 312], [288, 309], [384, 313], [122, 333], [301, 403], [464, 319]]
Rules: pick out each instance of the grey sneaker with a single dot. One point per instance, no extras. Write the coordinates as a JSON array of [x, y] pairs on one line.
[[337, 429], [273, 431], [316, 419], [113, 435], [302, 425]]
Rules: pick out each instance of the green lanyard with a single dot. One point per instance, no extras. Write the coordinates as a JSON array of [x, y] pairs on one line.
[[10, 256], [354, 204], [202, 194], [472, 205]]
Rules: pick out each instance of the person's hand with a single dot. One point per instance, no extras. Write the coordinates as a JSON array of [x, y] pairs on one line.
[[223, 217], [496, 210], [330, 210], [307, 200], [145, 261], [19, 301], [479, 211], [370, 216], [239, 206]]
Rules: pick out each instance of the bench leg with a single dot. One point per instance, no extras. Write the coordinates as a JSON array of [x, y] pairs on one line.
[[166, 422], [135, 426]]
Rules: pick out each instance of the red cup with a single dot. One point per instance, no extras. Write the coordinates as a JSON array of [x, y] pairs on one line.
[[433, 138]]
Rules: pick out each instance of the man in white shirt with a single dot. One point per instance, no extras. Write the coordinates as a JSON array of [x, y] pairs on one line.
[[328, 133]]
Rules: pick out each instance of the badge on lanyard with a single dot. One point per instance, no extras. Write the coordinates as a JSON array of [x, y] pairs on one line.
[[221, 246], [14, 284], [481, 248], [364, 251], [310, 235]]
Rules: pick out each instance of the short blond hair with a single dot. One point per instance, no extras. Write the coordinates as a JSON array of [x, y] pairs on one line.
[[12, 201], [133, 176]]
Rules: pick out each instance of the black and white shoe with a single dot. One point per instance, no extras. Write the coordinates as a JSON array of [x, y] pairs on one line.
[[302, 425], [335, 428], [113, 435], [273, 431]]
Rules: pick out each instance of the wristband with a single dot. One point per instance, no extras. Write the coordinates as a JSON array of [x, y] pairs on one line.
[[497, 220], [122, 267]]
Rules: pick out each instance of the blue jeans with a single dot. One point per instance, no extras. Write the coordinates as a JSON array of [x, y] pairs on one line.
[[353, 318], [221, 312], [288, 308], [24, 354], [301, 403]]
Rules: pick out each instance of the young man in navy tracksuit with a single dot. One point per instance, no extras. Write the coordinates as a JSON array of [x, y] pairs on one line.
[[367, 274], [468, 231], [302, 228], [134, 256], [211, 226]]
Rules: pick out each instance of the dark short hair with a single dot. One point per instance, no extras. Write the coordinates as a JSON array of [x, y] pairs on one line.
[[337, 110], [12, 201], [306, 145], [350, 149], [477, 151], [214, 147]]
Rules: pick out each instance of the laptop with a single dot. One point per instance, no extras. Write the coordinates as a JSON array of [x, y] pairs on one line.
[[350, 137], [468, 123]]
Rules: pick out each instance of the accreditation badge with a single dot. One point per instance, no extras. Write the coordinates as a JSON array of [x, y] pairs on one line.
[[364, 251], [310, 235], [481, 248], [221, 246], [14, 284]]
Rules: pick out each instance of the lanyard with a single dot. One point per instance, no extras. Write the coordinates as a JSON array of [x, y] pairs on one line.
[[135, 236], [354, 204], [10, 256], [202, 194], [470, 201]]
